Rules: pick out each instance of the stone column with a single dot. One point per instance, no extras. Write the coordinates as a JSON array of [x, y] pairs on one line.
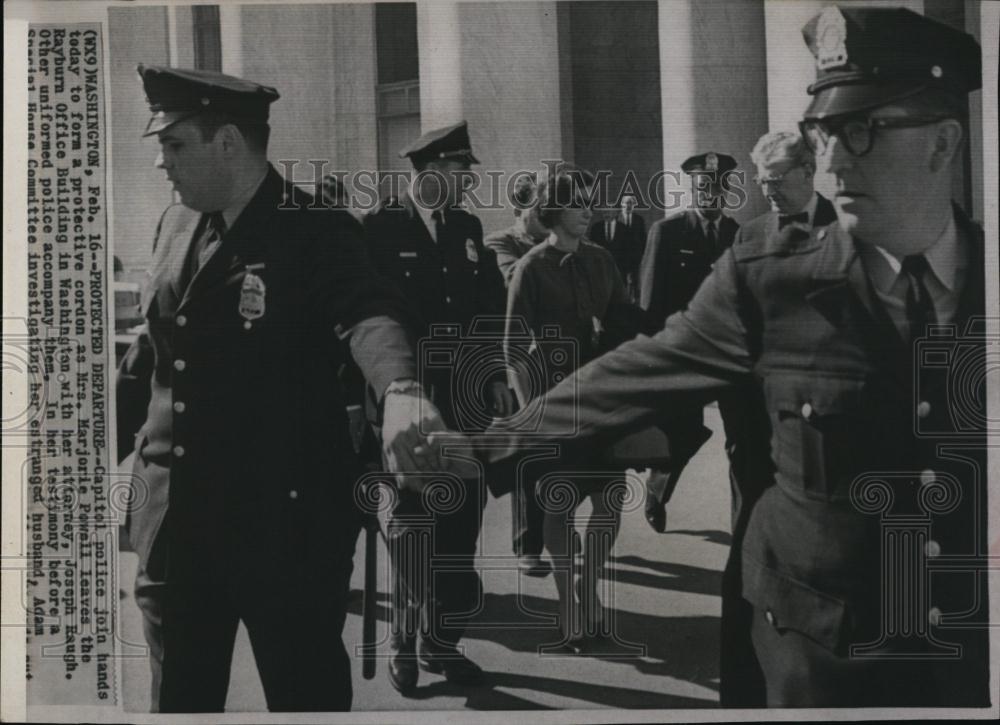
[[497, 66], [713, 81]]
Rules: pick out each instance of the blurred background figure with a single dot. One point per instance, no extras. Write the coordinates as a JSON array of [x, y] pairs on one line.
[[512, 243], [623, 233]]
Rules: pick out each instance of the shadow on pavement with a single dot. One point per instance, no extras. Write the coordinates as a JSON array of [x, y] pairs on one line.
[[677, 577], [488, 697], [712, 536]]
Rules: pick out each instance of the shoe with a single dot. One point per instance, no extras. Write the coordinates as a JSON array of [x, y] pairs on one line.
[[656, 514], [456, 667], [533, 565], [403, 667]]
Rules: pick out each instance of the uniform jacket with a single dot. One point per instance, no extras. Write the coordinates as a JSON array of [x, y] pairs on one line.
[[766, 225], [860, 437], [676, 261], [627, 243], [243, 448], [447, 284]]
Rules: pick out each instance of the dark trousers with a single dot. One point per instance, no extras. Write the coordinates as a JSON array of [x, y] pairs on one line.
[[527, 517], [295, 636], [432, 547], [802, 673]]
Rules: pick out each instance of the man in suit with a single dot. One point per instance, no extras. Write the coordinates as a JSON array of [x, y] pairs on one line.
[[785, 171], [679, 254], [880, 475], [244, 468], [434, 252], [623, 233]]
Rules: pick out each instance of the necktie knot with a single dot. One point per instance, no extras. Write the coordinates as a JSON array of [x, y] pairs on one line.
[[217, 223], [919, 306], [786, 219], [916, 265]]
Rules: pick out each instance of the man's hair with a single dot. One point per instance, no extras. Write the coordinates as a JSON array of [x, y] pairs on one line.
[[782, 145], [255, 132], [559, 191], [525, 193]]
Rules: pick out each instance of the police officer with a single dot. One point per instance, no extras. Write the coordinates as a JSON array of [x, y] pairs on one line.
[[244, 468], [881, 476], [679, 254], [434, 252]]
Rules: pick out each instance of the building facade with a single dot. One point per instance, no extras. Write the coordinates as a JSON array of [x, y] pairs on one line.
[[630, 87]]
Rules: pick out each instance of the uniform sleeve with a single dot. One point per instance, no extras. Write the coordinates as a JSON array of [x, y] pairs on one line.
[[649, 291], [491, 289], [699, 352], [519, 323], [134, 379], [363, 308], [133, 391], [506, 255]]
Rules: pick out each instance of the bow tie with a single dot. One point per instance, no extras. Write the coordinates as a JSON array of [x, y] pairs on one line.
[[801, 218]]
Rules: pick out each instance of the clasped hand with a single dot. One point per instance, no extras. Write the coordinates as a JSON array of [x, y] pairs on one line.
[[413, 433]]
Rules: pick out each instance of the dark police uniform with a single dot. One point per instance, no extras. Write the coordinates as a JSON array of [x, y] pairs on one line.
[[244, 469], [751, 471], [880, 470], [447, 283], [678, 255], [677, 258]]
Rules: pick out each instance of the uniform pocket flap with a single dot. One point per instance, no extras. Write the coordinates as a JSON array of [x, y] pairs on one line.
[[805, 396], [790, 604]]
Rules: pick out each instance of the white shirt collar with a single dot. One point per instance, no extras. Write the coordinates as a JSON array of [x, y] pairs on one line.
[[945, 257], [811, 208]]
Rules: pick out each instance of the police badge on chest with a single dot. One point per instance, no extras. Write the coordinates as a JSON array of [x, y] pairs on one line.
[[252, 296]]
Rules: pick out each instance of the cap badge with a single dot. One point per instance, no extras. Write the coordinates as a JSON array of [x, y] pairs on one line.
[[831, 37], [711, 162], [936, 71]]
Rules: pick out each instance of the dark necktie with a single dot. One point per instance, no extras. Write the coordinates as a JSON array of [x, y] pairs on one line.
[[785, 219], [438, 216], [215, 227], [713, 237], [919, 305]]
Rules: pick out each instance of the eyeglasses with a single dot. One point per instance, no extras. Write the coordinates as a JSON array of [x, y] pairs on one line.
[[777, 179], [857, 133]]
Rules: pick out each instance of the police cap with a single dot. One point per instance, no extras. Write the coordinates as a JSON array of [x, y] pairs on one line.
[[867, 57], [451, 142], [175, 94], [709, 163]]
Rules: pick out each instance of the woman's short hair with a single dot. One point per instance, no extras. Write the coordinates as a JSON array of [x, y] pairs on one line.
[[562, 190]]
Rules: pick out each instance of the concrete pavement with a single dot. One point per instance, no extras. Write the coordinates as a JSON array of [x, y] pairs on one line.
[[664, 592]]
